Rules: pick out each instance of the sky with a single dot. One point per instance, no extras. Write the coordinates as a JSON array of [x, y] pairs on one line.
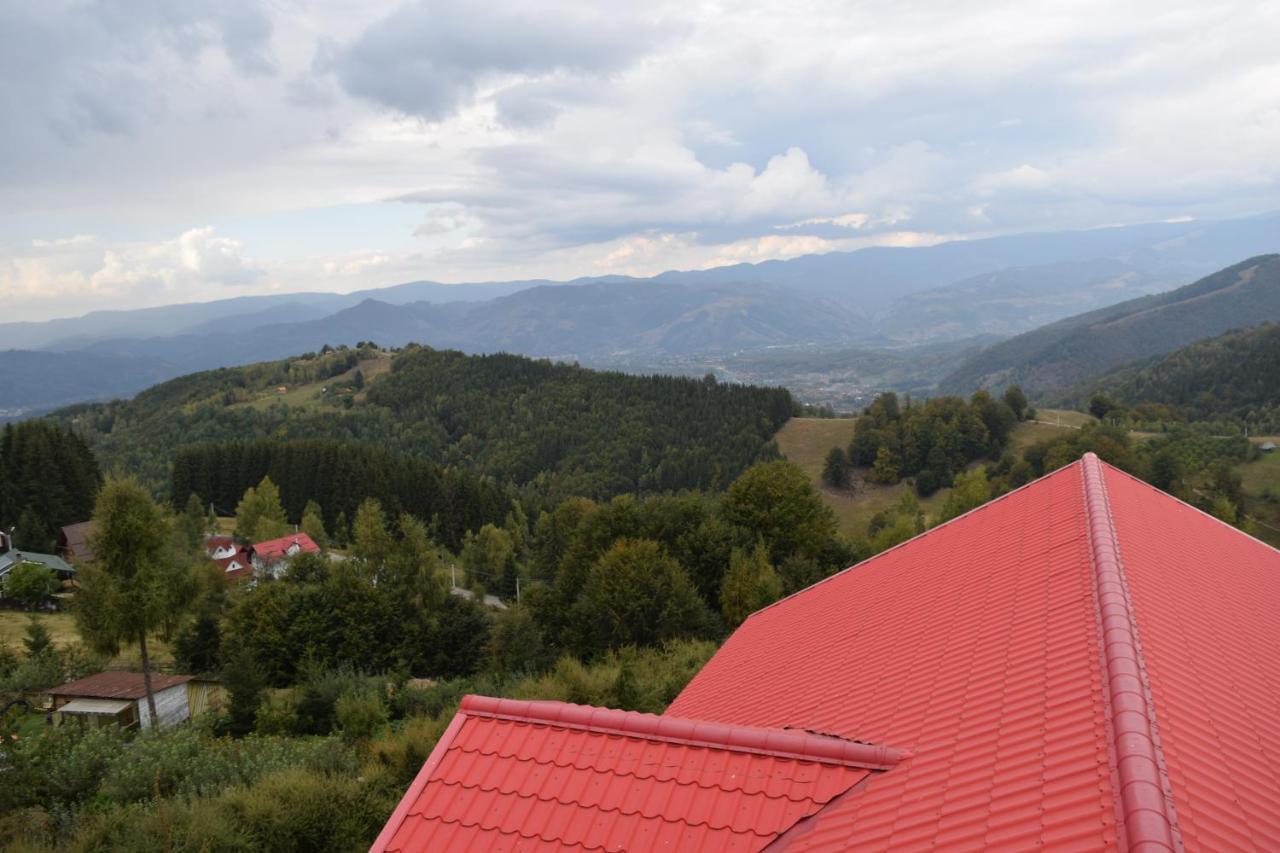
[[154, 152]]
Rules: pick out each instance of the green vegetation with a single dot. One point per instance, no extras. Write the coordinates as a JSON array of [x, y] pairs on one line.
[[1231, 382], [554, 428], [48, 479], [931, 441], [321, 770], [336, 477]]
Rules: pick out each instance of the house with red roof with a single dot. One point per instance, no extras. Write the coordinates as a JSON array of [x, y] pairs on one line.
[[231, 555], [274, 554], [1085, 663]]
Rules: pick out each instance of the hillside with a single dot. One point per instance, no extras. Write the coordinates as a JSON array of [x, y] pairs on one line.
[[1233, 376], [555, 428], [1015, 300], [1067, 352]]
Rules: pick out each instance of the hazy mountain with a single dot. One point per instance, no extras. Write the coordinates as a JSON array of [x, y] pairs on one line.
[[238, 313], [1069, 351], [1010, 301], [871, 297], [40, 381]]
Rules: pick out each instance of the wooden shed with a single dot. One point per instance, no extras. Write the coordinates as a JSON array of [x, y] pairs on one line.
[[120, 698]]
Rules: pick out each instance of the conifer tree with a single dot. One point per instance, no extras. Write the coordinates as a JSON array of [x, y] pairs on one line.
[[313, 524], [132, 589]]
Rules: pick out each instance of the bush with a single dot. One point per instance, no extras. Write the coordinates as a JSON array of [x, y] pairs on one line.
[[277, 715], [360, 715], [299, 810]]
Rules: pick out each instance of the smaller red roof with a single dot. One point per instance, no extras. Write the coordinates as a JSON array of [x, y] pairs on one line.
[[239, 565], [274, 549], [117, 685], [512, 774]]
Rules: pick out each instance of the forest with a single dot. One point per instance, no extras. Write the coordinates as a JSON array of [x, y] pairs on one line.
[[1230, 381], [339, 476], [558, 429], [48, 478]]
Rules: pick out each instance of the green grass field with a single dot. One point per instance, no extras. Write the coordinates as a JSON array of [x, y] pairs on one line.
[[312, 394], [62, 629], [806, 442]]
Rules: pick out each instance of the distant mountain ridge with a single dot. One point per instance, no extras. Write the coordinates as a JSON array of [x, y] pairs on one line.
[[875, 297], [1070, 351]]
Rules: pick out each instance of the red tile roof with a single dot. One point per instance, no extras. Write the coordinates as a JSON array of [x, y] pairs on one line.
[[1084, 663], [274, 549], [242, 560], [116, 685], [513, 774]]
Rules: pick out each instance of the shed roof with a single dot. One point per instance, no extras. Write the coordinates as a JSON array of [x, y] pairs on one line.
[[515, 774], [117, 685], [74, 541], [1084, 663]]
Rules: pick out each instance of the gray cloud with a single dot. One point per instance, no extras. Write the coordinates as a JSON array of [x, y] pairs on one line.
[[429, 59]]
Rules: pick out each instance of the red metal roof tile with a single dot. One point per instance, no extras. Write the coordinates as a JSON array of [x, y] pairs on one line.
[[547, 774]]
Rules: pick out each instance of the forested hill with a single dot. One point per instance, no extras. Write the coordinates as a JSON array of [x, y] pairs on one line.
[[1235, 377], [1070, 351], [555, 428]]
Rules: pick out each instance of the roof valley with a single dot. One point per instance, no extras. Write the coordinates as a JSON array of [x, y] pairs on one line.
[[1145, 798]]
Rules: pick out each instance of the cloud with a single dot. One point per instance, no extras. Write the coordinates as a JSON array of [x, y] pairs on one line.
[[88, 271], [430, 59], [567, 138]]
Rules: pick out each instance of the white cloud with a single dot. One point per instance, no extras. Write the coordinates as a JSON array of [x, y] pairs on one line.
[[577, 138]]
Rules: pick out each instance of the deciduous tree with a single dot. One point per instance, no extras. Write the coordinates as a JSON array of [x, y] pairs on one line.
[[132, 588]]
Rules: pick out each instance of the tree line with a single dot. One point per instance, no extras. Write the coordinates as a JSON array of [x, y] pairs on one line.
[[339, 476]]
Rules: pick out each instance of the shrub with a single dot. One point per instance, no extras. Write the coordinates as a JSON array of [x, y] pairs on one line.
[[360, 715]]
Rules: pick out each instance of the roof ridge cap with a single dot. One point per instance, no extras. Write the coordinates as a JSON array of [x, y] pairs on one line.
[[780, 743], [1144, 801]]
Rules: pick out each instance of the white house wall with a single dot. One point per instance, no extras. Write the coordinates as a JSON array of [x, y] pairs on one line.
[[171, 707]]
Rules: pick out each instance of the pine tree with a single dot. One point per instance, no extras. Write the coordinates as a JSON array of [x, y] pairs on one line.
[[313, 524], [835, 472], [37, 641]]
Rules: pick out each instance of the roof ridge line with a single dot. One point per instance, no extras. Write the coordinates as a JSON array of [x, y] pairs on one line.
[[1144, 800], [780, 743]]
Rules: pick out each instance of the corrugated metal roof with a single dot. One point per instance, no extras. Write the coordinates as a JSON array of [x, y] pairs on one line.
[[522, 775], [1085, 663], [117, 685], [95, 706]]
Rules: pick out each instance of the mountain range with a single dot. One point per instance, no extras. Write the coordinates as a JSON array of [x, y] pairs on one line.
[[1070, 351], [875, 297]]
